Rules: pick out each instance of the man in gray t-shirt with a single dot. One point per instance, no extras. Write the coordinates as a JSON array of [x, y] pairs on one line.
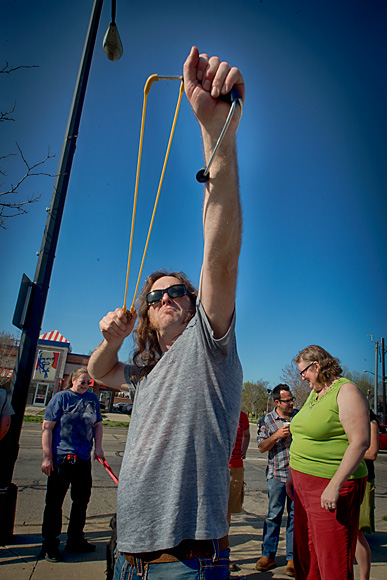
[[186, 377]]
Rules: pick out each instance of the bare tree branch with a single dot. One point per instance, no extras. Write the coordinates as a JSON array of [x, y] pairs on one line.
[[6, 116], [5, 157], [8, 352], [300, 389], [9, 209], [9, 206], [7, 70]]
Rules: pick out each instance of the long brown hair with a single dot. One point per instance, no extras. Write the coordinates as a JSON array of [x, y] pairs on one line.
[[147, 352], [75, 374], [329, 365]]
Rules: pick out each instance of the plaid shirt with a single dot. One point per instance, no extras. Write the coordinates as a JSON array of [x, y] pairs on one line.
[[278, 460]]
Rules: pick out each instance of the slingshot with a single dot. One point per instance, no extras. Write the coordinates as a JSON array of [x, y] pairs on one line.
[[147, 87], [235, 98]]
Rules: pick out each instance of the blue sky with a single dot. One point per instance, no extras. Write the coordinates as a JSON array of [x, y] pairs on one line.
[[312, 159]]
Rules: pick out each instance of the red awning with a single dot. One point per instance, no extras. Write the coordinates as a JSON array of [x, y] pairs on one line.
[[54, 336]]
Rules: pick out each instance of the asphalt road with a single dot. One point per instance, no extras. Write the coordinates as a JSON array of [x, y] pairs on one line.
[[31, 481]]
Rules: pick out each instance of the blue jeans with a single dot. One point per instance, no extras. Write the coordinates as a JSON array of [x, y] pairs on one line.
[[195, 569], [276, 490]]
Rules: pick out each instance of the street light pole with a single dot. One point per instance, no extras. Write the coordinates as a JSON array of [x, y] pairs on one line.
[[376, 373], [376, 378], [383, 352], [9, 445]]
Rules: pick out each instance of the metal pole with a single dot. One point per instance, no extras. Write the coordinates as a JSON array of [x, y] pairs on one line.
[[383, 380], [376, 378], [9, 445]]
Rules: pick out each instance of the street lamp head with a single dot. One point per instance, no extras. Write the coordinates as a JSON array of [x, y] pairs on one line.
[[112, 44]]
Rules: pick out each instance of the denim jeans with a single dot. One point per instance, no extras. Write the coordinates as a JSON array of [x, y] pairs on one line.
[[276, 491], [195, 569]]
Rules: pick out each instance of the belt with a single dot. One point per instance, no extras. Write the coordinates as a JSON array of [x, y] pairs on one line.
[[68, 458], [186, 550]]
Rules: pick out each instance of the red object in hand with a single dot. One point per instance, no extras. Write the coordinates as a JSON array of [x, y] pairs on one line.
[[108, 469]]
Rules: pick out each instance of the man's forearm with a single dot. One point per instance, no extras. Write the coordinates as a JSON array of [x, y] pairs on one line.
[[268, 443], [222, 227], [222, 214], [245, 444], [103, 360]]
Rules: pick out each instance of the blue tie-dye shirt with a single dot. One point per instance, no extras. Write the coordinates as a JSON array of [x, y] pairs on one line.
[[75, 416]]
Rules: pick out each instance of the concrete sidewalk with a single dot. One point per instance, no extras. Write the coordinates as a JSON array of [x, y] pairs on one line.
[[19, 560]]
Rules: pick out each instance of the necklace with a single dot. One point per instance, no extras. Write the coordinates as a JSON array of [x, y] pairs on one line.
[[320, 394]]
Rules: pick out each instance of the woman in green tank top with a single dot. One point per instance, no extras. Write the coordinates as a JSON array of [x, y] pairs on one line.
[[330, 435]]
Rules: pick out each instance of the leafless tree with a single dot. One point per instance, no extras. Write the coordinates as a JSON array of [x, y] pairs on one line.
[[8, 352], [300, 389], [11, 204], [365, 383]]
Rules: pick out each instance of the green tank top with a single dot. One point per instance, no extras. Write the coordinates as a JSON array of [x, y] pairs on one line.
[[318, 437]]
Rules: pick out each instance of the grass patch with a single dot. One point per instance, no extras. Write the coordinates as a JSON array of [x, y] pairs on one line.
[[38, 418], [107, 423], [33, 418]]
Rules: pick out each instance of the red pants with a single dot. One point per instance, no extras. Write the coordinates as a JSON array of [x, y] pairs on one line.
[[325, 541]]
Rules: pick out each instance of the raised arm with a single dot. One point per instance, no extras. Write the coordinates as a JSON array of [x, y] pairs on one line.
[[104, 365], [205, 79]]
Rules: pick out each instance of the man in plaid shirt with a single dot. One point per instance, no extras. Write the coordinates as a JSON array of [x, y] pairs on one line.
[[274, 437]]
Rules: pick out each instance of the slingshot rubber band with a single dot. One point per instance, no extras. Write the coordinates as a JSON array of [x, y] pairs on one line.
[[147, 87], [108, 469]]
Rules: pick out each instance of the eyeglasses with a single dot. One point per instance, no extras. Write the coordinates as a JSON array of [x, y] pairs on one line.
[[287, 400], [306, 368], [88, 383], [175, 291]]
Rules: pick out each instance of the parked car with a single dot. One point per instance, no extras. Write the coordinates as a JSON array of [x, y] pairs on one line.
[[123, 408], [383, 437]]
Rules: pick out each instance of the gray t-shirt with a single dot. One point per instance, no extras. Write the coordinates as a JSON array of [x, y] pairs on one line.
[[174, 479], [5, 406]]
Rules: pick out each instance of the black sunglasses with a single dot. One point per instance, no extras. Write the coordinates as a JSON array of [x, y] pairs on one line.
[[306, 368], [175, 291]]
